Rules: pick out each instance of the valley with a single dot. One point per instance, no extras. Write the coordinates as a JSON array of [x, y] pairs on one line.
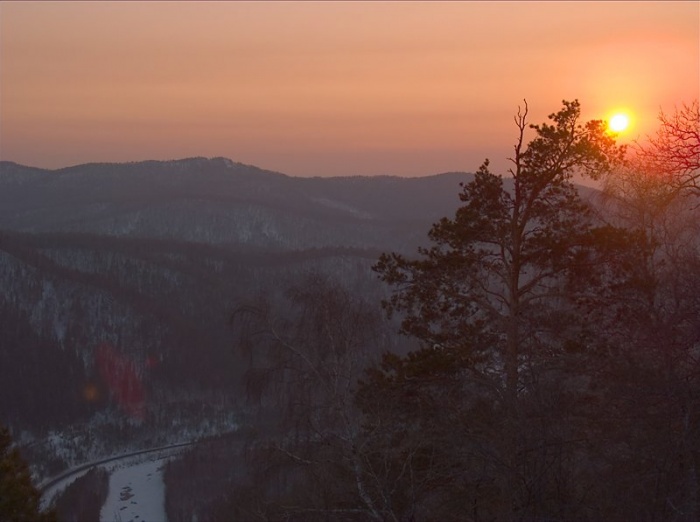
[[120, 281]]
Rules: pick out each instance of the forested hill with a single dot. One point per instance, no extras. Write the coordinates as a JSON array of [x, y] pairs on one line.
[[151, 258], [222, 202]]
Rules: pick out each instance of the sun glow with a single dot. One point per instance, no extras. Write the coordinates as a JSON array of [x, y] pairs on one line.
[[619, 122]]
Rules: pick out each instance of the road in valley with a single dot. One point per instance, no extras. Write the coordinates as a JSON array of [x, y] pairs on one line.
[[50, 488]]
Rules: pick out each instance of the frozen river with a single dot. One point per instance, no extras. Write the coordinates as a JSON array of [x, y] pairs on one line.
[[136, 494], [136, 488]]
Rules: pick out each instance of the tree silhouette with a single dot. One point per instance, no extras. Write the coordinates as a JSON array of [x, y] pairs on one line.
[[306, 355], [499, 292], [19, 499], [656, 379], [673, 154], [507, 252]]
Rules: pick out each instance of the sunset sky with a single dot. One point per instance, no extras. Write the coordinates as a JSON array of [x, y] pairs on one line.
[[328, 88]]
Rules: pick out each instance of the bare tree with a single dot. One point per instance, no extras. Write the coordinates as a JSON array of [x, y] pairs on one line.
[[673, 154], [659, 374], [305, 355]]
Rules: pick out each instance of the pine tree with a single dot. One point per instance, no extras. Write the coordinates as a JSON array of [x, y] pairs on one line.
[[501, 263], [499, 291], [19, 499]]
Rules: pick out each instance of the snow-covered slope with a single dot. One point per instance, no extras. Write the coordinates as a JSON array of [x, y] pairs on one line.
[[136, 493]]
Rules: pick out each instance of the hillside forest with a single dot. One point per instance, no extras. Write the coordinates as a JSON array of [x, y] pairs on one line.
[[468, 347]]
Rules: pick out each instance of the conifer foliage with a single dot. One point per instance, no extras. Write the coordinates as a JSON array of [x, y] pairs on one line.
[[504, 259], [19, 499], [491, 403]]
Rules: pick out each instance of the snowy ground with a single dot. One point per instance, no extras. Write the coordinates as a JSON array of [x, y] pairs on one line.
[[110, 464], [136, 494]]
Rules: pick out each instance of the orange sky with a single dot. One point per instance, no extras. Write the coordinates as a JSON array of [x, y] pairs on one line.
[[327, 88]]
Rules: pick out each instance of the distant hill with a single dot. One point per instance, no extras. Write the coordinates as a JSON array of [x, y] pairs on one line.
[[147, 261], [152, 257], [218, 201]]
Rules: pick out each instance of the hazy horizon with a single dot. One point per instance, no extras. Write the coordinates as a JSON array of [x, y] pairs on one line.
[[328, 88], [209, 158]]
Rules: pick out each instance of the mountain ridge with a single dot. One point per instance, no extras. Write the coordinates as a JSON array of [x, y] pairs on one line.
[[206, 199]]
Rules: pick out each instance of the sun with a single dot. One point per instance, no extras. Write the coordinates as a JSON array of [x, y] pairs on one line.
[[619, 122]]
